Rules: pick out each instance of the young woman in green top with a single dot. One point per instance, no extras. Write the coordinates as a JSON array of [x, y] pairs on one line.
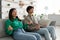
[[14, 27]]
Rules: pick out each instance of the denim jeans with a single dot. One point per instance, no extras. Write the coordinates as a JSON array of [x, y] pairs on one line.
[[20, 34], [47, 31], [51, 30]]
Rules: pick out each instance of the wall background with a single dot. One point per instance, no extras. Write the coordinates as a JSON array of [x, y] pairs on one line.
[[20, 5], [46, 7]]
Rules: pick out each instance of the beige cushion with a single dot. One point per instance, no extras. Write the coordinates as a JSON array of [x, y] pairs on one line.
[[44, 22]]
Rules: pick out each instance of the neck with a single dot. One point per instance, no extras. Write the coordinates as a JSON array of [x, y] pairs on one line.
[[14, 17], [30, 14]]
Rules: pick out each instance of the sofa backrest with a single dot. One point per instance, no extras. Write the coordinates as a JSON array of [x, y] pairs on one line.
[[2, 28]]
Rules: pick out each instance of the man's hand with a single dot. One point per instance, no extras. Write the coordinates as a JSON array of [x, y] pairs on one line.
[[30, 22], [37, 26], [10, 28]]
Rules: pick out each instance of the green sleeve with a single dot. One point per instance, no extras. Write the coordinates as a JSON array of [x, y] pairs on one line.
[[20, 24], [7, 23], [25, 25]]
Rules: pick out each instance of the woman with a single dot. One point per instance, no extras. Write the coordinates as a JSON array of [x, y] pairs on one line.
[[14, 28]]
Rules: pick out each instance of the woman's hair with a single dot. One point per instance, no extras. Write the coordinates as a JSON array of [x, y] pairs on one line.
[[28, 8], [10, 14]]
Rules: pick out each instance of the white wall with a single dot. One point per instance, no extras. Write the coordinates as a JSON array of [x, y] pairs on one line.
[[47, 7], [54, 17], [15, 4]]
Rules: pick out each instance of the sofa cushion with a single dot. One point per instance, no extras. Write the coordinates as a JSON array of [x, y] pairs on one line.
[[6, 38], [53, 23], [2, 29], [44, 22]]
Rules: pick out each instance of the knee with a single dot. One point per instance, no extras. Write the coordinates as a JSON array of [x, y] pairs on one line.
[[46, 31], [51, 27], [32, 37], [38, 35]]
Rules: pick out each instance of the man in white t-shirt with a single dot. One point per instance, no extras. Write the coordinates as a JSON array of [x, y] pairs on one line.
[[34, 26]]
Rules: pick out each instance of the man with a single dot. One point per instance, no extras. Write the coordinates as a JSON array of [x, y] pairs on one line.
[[34, 26]]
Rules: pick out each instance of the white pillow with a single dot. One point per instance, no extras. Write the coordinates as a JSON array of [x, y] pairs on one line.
[[44, 22]]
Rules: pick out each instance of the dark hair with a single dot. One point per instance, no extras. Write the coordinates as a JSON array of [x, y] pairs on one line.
[[28, 8], [10, 14]]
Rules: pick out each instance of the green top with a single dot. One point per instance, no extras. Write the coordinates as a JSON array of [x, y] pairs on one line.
[[15, 24]]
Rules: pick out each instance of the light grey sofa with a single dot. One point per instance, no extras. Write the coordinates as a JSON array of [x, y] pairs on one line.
[[3, 35]]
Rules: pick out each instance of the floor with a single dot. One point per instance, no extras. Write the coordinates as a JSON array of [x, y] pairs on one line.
[[58, 32]]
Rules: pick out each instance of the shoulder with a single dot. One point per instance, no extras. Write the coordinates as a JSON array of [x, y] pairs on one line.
[[28, 16], [7, 21]]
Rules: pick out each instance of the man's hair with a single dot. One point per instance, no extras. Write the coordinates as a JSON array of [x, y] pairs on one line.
[[28, 8]]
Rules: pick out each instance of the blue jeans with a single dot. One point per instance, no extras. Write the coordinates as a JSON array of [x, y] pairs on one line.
[[20, 34], [52, 32], [46, 32]]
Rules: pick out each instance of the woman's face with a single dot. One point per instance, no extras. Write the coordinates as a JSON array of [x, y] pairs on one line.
[[14, 13]]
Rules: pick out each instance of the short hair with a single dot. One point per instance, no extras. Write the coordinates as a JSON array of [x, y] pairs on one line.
[[28, 8]]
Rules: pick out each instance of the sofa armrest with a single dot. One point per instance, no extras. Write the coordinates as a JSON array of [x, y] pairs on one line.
[[52, 23]]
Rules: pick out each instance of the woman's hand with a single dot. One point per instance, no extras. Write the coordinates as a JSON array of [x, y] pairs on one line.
[[10, 28]]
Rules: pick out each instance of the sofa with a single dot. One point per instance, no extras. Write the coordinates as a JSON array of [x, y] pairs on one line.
[[3, 35]]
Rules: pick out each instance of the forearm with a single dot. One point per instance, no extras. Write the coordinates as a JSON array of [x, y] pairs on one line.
[[31, 28]]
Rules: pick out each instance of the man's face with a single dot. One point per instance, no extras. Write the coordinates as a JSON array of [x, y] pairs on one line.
[[31, 10]]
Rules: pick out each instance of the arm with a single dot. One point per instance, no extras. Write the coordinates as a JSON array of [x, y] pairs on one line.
[[8, 28]]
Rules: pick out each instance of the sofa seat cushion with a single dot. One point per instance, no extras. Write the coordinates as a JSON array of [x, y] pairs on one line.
[[6, 38]]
